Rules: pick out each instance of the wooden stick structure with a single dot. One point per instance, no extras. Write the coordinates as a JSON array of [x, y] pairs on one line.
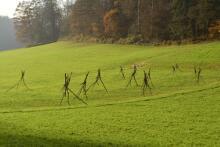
[[20, 82], [98, 79], [122, 72], [67, 91], [133, 77], [146, 83], [175, 68], [84, 87], [197, 72], [149, 77]]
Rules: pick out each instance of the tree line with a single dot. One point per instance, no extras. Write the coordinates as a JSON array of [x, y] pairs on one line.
[[37, 21], [42, 21]]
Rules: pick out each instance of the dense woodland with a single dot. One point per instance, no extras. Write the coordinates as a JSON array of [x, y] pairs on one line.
[[130, 21]]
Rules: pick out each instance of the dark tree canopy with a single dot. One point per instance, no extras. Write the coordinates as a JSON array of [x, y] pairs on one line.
[[37, 21], [41, 21], [154, 19]]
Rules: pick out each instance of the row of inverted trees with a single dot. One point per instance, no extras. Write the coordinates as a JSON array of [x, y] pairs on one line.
[[41, 21]]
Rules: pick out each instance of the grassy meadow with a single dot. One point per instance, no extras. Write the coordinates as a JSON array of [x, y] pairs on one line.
[[179, 112]]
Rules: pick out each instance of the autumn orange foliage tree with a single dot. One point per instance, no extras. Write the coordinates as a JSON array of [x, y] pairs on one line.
[[115, 23], [214, 30]]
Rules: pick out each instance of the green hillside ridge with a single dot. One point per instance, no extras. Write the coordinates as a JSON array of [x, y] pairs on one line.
[[179, 112]]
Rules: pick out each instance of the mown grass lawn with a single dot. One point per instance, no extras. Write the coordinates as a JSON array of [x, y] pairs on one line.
[[179, 112]]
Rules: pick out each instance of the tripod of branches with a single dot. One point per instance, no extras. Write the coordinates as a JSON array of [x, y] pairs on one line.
[[146, 83], [175, 68], [122, 72], [20, 82], [67, 91], [84, 87], [133, 77], [197, 72], [98, 79], [149, 77]]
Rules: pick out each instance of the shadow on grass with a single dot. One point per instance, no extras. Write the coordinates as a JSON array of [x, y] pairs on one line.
[[32, 141]]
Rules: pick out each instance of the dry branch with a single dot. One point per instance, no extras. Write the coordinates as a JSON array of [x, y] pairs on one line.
[[96, 82], [197, 72], [67, 91], [146, 84], [122, 72], [84, 87], [20, 82], [149, 77], [133, 77]]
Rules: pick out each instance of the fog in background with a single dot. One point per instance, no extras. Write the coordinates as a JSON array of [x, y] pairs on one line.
[[7, 34]]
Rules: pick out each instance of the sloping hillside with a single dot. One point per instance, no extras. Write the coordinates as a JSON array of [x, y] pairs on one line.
[[179, 111]]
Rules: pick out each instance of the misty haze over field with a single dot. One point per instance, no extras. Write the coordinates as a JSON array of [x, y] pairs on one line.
[[7, 34]]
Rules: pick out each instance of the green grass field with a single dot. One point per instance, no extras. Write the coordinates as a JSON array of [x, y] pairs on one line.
[[179, 112]]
